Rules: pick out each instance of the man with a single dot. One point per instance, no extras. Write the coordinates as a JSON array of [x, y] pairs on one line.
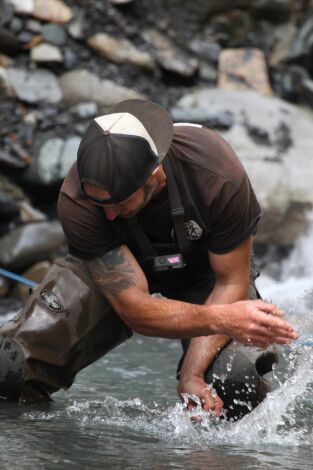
[[149, 208], [119, 175]]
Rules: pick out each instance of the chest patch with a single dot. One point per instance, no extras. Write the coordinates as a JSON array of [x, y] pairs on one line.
[[193, 229]]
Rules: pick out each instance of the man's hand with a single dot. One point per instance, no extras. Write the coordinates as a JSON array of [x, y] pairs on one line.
[[255, 322], [198, 387]]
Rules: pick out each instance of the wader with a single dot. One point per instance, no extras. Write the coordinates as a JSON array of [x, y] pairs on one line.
[[67, 325]]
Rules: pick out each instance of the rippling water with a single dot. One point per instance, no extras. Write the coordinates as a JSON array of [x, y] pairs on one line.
[[123, 411]]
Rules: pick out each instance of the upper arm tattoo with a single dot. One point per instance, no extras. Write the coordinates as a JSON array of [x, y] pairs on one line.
[[112, 272]]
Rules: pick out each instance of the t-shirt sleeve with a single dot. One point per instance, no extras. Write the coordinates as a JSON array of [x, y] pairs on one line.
[[234, 218], [88, 232]]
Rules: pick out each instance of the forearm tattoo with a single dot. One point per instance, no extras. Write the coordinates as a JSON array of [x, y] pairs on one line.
[[112, 272]]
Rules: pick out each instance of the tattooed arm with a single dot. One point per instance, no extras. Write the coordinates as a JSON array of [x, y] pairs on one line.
[[122, 282]]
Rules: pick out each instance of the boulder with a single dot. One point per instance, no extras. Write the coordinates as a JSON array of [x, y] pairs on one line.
[[80, 86], [274, 141], [30, 243], [169, 56], [120, 50], [243, 69], [44, 53], [34, 86]]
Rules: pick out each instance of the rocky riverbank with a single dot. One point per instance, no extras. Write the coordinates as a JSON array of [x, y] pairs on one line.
[[241, 67]]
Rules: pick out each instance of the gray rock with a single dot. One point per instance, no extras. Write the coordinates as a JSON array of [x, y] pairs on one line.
[[303, 43], [55, 158], [46, 53], [274, 141], [85, 110], [35, 86], [29, 244], [23, 7], [120, 50], [34, 26], [82, 86], [76, 29], [170, 57], [54, 34], [5, 84]]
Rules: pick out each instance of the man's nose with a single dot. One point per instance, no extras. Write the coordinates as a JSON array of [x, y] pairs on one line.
[[111, 212]]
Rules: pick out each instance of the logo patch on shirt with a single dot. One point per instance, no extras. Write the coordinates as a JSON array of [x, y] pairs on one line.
[[51, 301], [194, 231]]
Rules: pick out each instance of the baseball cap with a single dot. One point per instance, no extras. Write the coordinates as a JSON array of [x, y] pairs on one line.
[[120, 150]]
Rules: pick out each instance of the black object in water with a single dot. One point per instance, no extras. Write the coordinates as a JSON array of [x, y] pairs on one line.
[[237, 376]]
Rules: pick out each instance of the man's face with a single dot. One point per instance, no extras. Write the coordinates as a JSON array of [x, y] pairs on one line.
[[126, 209]]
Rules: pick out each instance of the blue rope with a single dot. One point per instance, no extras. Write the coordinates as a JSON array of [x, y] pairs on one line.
[[16, 277]]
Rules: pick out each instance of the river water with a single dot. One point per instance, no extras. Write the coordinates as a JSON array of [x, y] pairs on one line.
[[123, 411]]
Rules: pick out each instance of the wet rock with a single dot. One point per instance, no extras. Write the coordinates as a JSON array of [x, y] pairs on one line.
[[29, 214], [281, 50], [54, 34], [35, 273], [4, 286], [205, 49], [6, 12], [30, 243], [35, 86], [82, 86], [273, 139], [76, 29], [5, 61], [52, 158], [120, 50], [243, 69], [169, 57], [16, 25], [230, 29], [208, 72], [45, 53], [8, 206], [23, 7], [5, 84], [274, 10], [85, 110], [307, 91], [54, 11], [9, 44], [34, 26], [288, 82], [302, 47], [204, 116]]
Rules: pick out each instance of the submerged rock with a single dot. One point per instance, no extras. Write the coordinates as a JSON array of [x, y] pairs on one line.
[[274, 141]]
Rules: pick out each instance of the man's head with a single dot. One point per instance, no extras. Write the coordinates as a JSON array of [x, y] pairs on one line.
[[120, 150]]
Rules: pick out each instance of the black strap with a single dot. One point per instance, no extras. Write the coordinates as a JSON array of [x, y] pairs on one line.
[[141, 237], [177, 210]]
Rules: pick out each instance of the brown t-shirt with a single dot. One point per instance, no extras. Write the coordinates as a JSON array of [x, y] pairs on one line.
[[221, 209]]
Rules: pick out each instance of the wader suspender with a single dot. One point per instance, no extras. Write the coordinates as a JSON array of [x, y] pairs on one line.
[[178, 218]]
